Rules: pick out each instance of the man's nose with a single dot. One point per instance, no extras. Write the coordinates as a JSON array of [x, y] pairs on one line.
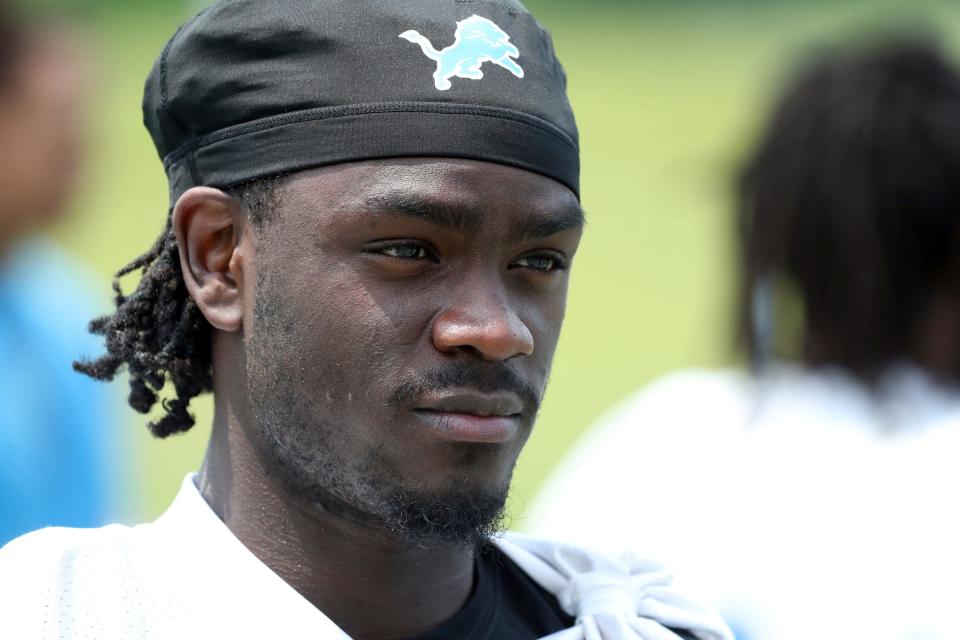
[[484, 325]]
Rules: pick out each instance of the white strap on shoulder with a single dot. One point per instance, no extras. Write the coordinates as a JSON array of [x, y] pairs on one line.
[[612, 597]]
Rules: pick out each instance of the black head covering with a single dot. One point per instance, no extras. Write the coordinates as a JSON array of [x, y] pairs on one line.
[[254, 88]]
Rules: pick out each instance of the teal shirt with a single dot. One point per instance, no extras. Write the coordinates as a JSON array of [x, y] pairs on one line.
[[59, 449]]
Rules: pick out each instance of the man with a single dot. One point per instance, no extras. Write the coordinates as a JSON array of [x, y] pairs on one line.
[[827, 479], [59, 435], [366, 261]]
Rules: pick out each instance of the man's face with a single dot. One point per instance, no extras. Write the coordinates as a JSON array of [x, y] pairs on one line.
[[406, 314]]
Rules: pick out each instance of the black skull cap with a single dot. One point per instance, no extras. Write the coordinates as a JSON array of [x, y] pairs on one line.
[[255, 88]]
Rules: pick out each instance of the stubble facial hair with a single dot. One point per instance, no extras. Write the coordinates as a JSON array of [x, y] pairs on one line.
[[302, 443]]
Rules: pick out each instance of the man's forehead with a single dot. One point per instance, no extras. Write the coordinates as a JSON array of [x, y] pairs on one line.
[[440, 190]]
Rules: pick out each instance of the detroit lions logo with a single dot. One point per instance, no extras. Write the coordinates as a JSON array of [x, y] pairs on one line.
[[476, 40]]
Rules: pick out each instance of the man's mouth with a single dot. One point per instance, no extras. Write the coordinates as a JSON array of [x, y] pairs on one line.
[[469, 416]]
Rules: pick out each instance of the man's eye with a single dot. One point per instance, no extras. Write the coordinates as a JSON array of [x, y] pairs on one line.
[[406, 252], [544, 263]]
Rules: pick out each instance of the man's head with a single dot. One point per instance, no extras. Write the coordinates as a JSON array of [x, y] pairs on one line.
[[41, 99], [852, 199], [378, 309]]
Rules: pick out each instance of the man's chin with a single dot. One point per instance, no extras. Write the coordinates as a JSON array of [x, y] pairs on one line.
[[463, 517], [423, 518]]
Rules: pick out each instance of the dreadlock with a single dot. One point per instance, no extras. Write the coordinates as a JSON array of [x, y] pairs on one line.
[[158, 331]]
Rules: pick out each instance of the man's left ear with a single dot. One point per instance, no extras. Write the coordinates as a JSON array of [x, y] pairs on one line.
[[209, 226]]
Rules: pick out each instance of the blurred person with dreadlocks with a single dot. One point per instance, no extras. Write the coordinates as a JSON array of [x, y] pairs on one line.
[[57, 431], [814, 497], [367, 265]]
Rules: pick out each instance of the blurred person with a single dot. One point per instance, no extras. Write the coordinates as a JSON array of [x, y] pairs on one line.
[[58, 441], [813, 498], [367, 265]]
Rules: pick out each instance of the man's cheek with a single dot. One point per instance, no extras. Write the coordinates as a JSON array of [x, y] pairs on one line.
[[352, 369]]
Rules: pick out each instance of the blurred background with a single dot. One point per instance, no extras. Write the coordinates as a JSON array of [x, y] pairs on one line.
[[668, 96]]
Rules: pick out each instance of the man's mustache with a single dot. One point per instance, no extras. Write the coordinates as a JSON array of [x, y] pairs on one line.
[[485, 378]]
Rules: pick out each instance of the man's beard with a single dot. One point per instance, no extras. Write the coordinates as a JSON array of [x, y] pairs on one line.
[[371, 493], [305, 447]]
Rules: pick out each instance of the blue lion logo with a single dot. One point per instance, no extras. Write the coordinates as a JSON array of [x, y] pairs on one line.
[[477, 40]]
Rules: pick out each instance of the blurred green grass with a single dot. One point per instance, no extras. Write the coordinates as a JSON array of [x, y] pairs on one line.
[[667, 97]]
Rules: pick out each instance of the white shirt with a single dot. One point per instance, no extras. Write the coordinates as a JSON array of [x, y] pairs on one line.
[[186, 576], [801, 504]]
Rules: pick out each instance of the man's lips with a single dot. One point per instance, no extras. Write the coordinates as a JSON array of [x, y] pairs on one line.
[[469, 416], [473, 403]]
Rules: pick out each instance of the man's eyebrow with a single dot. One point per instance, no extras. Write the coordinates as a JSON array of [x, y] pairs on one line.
[[468, 219], [458, 218], [535, 227]]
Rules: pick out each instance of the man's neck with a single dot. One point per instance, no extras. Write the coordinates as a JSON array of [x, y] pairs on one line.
[[370, 583]]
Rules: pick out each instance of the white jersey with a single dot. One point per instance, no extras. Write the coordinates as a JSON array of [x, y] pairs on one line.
[[187, 576], [800, 504]]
